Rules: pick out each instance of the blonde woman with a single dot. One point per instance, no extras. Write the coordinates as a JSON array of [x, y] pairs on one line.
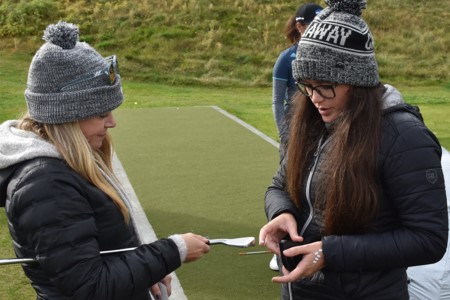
[[63, 202]]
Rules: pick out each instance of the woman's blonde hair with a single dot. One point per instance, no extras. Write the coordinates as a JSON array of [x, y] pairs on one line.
[[78, 154]]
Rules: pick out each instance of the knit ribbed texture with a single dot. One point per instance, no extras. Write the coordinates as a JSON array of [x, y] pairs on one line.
[[338, 47], [62, 86]]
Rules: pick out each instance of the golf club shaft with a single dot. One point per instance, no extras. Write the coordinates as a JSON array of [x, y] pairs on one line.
[[10, 261], [255, 252]]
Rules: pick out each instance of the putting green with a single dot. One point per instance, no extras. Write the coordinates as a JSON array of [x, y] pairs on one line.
[[196, 170]]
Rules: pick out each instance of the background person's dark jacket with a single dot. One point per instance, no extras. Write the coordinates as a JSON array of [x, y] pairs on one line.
[[411, 228], [58, 217]]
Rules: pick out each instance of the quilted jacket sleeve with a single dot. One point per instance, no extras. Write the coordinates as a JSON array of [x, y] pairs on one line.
[[55, 221], [412, 227], [277, 199]]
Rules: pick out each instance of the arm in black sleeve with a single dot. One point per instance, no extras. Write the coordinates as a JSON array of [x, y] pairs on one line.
[[414, 208], [58, 223]]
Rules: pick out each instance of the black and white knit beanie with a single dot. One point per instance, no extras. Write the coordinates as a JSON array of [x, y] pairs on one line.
[[62, 86], [338, 47]]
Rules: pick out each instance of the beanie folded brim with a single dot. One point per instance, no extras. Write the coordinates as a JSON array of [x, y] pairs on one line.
[[58, 108]]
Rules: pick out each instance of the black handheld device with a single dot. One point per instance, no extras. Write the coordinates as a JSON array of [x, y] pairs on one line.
[[290, 262]]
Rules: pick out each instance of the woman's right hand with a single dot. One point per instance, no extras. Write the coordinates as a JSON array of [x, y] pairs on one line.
[[196, 246], [273, 232]]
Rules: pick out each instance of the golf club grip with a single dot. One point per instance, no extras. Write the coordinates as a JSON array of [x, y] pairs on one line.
[[215, 242], [163, 295]]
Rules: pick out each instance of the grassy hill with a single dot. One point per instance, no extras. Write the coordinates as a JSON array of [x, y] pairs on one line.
[[227, 42]]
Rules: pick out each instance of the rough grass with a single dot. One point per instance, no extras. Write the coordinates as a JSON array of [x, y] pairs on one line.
[[207, 174], [227, 42]]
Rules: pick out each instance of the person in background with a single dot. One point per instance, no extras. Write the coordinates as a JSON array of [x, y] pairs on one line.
[[431, 282], [63, 202], [283, 84], [361, 188]]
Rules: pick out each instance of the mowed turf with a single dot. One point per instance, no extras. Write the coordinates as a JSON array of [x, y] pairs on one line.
[[196, 170]]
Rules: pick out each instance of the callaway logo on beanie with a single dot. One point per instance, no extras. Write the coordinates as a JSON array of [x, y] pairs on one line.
[[69, 81], [338, 47]]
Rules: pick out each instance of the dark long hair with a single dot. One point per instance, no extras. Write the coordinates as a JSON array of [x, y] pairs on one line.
[[350, 186], [291, 31]]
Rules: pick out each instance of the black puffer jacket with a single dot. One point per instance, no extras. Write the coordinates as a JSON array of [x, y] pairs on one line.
[[61, 219], [411, 228]]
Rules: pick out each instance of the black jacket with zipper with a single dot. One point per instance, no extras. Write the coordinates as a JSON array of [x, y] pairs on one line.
[[411, 227], [61, 219]]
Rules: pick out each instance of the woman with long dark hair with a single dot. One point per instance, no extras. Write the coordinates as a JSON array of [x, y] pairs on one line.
[[360, 195], [283, 83]]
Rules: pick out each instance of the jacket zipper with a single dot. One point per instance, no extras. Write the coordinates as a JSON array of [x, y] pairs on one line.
[[308, 198], [308, 183]]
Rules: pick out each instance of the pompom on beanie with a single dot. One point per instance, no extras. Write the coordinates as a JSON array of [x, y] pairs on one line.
[[64, 84]]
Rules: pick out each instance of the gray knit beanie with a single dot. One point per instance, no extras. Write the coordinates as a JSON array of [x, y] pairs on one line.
[[68, 80], [338, 47]]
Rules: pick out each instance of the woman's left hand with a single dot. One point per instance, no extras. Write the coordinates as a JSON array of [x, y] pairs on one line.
[[156, 289], [313, 260]]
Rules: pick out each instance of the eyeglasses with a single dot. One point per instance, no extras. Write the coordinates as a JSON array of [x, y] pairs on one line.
[[110, 73], [324, 90]]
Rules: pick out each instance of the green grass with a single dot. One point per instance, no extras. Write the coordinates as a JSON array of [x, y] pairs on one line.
[[194, 169], [13, 81], [179, 53], [227, 42], [251, 104]]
